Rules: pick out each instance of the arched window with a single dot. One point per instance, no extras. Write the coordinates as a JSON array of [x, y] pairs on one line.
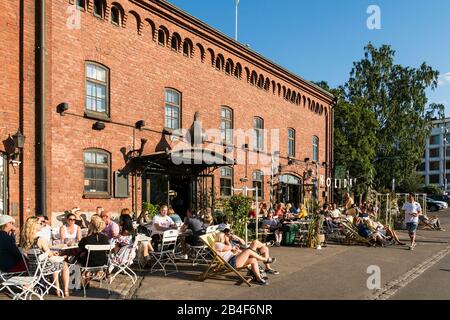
[[267, 85], [293, 96], [254, 78], [187, 48], [220, 62], [116, 15], [288, 95], [81, 4], [152, 26], [163, 36], [97, 89], [172, 109], [229, 67], [315, 145], [97, 179], [247, 74], [3, 184], [99, 8], [261, 81], [238, 71], [258, 181], [176, 42], [226, 125], [201, 52], [291, 142], [212, 57], [258, 138], [226, 182], [138, 21]]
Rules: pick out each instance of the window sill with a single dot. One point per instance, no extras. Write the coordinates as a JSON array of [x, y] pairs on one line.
[[97, 116], [97, 196]]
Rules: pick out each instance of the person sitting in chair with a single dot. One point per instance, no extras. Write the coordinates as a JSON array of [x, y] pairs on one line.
[[194, 227], [161, 223], [256, 245], [10, 256], [273, 226], [433, 224], [94, 237], [239, 259]]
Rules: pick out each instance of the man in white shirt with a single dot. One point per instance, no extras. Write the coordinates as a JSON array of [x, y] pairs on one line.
[[161, 222], [412, 212]]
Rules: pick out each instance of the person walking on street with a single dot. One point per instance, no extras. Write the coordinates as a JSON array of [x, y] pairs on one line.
[[412, 212]]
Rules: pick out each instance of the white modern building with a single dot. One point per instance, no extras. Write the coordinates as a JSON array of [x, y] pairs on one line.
[[436, 159]]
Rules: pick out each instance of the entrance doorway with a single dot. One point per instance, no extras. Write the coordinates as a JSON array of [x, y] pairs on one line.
[[289, 190], [183, 193]]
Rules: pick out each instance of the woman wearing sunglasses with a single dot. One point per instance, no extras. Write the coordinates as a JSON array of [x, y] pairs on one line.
[[70, 233]]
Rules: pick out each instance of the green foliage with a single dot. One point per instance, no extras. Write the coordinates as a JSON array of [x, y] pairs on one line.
[[382, 120], [432, 190], [239, 206], [412, 183], [151, 208], [312, 239]]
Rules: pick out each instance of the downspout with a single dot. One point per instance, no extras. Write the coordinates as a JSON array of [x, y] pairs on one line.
[[40, 184], [332, 148]]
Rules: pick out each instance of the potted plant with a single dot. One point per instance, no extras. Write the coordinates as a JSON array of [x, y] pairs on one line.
[[152, 210]]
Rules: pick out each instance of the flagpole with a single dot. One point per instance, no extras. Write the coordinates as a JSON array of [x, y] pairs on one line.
[[236, 29]]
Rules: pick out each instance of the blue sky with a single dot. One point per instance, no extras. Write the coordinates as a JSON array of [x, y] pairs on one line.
[[320, 39]]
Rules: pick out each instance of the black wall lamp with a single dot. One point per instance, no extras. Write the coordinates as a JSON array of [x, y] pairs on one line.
[[61, 108], [140, 124], [19, 142], [99, 126]]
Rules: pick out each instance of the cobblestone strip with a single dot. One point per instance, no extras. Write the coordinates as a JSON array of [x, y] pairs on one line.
[[394, 286]]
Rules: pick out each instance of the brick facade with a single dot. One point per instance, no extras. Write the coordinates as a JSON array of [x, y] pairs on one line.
[[140, 69]]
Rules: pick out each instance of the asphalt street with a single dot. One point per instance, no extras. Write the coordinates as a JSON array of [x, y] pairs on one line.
[[335, 272]]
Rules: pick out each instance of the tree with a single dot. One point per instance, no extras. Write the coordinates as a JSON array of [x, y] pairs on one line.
[[355, 139], [396, 97]]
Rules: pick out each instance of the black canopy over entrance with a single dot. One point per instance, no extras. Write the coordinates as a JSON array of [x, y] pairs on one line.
[[182, 178]]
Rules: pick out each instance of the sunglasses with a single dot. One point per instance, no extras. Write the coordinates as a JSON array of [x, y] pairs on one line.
[[71, 219]]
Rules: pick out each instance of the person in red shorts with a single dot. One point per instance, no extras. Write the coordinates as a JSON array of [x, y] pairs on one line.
[[10, 257]]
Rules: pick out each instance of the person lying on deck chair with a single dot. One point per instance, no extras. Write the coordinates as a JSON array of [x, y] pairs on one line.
[[239, 259], [256, 245]]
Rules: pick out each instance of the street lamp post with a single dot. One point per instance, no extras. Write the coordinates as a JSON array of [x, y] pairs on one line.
[[445, 132]]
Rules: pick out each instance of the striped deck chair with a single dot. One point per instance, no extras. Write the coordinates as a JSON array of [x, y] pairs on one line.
[[218, 267]]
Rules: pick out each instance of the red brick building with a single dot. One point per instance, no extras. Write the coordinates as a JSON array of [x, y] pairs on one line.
[[110, 64]]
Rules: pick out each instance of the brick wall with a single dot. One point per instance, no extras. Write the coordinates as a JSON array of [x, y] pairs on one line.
[[140, 70]]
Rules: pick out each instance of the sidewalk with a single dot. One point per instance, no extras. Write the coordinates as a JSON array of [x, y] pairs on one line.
[[121, 289]]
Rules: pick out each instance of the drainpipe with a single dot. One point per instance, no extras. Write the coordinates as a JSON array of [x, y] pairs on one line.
[[40, 184]]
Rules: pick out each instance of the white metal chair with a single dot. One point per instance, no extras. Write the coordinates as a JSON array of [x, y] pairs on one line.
[[41, 266], [166, 253], [99, 273], [29, 286], [201, 253], [123, 260]]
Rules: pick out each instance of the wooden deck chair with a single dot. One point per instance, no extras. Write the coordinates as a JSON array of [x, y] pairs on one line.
[[352, 235], [218, 267]]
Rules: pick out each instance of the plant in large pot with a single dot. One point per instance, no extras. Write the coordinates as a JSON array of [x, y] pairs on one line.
[[152, 210], [315, 237], [239, 206]]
